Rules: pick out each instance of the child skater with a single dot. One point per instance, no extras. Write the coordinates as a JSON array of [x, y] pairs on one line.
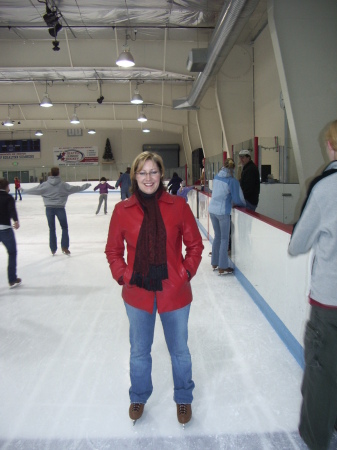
[[103, 187]]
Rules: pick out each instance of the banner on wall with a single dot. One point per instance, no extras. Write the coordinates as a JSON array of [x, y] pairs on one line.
[[79, 156], [20, 149]]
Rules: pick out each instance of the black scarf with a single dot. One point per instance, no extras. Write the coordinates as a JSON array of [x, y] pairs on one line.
[[150, 266]]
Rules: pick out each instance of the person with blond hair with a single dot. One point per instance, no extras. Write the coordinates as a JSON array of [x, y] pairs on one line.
[[226, 190], [316, 230], [155, 277]]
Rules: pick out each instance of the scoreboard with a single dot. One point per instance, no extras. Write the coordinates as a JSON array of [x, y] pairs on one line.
[[20, 146]]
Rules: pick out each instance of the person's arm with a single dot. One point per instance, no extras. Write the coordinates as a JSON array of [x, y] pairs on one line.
[[307, 228], [110, 187], [38, 190], [192, 241], [73, 189], [236, 193], [13, 213], [114, 248]]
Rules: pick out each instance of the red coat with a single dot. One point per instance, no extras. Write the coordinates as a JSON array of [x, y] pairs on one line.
[[180, 227]]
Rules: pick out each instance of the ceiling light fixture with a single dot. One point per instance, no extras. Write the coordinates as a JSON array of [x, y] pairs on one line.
[[46, 102], [38, 133], [146, 130], [142, 117], [91, 132], [125, 59], [74, 118], [8, 122], [137, 99]]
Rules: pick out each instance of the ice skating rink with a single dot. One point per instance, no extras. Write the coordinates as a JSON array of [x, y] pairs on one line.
[[65, 352]]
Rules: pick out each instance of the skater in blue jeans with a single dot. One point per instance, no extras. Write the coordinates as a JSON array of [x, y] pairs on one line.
[[55, 193], [156, 278], [8, 213]]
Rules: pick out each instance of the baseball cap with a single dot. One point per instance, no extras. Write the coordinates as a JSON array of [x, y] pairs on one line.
[[244, 152]]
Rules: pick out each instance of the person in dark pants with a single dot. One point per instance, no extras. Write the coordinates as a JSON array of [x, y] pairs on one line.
[[17, 188], [316, 230], [55, 194], [124, 182], [174, 183], [8, 213], [250, 180]]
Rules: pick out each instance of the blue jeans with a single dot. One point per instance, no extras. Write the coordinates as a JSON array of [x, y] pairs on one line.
[[60, 213], [125, 194], [17, 191], [175, 325], [8, 239], [221, 226]]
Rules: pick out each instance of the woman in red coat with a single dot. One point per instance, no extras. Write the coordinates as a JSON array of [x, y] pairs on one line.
[[155, 277]]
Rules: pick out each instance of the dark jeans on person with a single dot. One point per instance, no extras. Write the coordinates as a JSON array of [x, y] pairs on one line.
[[125, 194], [16, 193], [8, 239], [319, 385], [60, 213]]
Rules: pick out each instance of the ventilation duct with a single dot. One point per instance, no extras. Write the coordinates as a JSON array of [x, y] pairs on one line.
[[234, 16]]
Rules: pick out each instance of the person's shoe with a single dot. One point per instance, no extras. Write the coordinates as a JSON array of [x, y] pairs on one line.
[[53, 253], [136, 411], [66, 251], [214, 268], [184, 413], [210, 254], [15, 283], [106, 213], [227, 271]]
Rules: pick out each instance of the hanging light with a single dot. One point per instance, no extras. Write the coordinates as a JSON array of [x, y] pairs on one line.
[[137, 99], [8, 122], [142, 117], [46, 102], [91, 132], [146, 130], [38, 133], [125, 59], [74, 118]]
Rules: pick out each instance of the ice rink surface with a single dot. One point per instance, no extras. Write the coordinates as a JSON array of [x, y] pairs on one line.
[[64, 353]]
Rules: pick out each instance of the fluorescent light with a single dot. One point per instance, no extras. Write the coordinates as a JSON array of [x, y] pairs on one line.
[[146, 130], [91, 132], [38, 133]]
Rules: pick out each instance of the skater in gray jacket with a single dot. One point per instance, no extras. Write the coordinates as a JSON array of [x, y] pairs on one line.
[[55, 194], [316, 230]]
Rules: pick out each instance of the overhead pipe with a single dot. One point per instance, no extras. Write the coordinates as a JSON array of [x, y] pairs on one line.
[[233, 17]]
